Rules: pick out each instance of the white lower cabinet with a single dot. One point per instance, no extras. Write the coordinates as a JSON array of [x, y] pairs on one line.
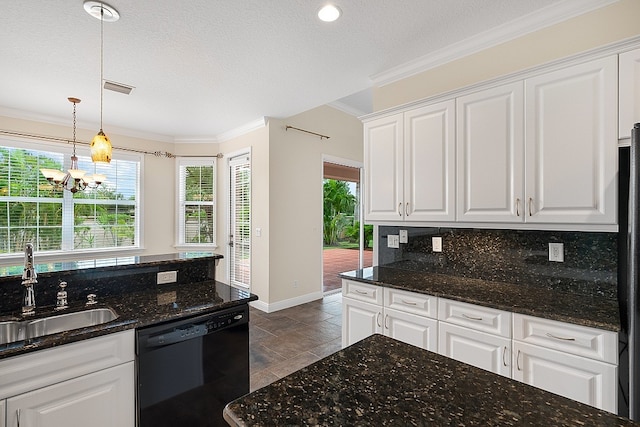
[[365, 314], [359, 320], [578, 378], [101, 399], [412, 329], [86, 383], [479, 349]]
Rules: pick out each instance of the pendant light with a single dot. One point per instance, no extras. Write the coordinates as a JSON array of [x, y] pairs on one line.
[[101, 145]]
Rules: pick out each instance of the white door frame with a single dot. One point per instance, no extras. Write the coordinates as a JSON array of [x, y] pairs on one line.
[[229, 158], [326, 158]]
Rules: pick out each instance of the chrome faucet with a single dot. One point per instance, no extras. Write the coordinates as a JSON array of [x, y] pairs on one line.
[[29, 278]]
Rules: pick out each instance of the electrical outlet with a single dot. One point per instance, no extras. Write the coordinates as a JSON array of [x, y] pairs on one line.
[[404, 236], [167, 277], [556, 252], [393, 241], [436, 244]]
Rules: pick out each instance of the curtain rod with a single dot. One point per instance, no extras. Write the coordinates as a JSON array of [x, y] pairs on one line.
[[68, 141], [307, 131]]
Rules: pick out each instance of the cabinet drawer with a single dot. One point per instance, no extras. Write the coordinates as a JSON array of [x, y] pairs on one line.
[[45, 367], [574, 339], [473, 316], [411, 302], [362, 292]]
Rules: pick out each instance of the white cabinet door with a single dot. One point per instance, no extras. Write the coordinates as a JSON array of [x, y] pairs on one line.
[[482, 350], [411, 329], [571, 149], [102, 399], [383, 166], [359, 320], [429, 163], [629, 96], [490, 155], [578, 378]]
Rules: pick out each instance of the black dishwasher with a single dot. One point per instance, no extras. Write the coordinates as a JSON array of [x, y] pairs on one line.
[[189, 369]]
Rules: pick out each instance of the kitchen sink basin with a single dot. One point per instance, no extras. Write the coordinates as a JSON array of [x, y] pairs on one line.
[[11, 331]]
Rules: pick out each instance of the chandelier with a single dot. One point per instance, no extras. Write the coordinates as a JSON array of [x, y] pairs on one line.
[[74, 179]]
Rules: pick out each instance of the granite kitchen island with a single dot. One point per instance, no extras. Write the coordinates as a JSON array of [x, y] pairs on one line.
[[383, 382]]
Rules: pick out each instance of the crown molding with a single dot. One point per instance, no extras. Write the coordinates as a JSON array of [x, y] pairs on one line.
[[244, 129], [348, 109], [530, 23], [55, 120]]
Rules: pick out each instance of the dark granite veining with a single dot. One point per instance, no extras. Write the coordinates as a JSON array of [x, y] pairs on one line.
[[511, 256], [383, 382], [579, 309], [130, 290]]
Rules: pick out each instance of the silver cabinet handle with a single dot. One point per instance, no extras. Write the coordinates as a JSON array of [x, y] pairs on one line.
[[406, 209], [530, 204], [471, 317], [378, 320], [361, 292], [518, 207], [18, 416], [518, 361], [408, 302], [386, 323], [400, 209], [559, 338], [504, 353]]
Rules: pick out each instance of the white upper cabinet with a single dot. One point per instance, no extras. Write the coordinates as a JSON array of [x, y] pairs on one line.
[[429, 163], [629, 96], [384, 155], [571, 149], [410, 165], [490, 155]]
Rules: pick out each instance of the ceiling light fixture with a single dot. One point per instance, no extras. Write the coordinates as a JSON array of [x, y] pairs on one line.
[[74, 179], [329, 13], [101, 145]]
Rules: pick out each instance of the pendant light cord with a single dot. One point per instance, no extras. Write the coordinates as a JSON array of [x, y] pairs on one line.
[[74, 129], [101, 59]]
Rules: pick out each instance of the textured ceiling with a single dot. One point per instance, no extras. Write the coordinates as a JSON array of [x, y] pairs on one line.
[[204, 67]]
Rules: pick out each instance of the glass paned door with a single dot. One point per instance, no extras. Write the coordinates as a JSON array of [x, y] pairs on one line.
[[240, 221]]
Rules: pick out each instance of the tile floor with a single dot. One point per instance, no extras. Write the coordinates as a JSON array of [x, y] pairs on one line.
[[287, 340]]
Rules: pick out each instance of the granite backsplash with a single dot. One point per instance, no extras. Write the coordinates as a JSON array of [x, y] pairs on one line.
[[512, 256], [106, 278]]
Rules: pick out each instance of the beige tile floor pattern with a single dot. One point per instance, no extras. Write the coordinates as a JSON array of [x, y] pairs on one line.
[[285, 341]]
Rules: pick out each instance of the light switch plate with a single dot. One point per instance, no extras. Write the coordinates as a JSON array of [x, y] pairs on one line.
[[393, 241], [165, 277], [436, 244], [404, 236], [556, 252]]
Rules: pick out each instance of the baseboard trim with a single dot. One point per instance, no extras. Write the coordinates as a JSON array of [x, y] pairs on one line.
[[287, 303]]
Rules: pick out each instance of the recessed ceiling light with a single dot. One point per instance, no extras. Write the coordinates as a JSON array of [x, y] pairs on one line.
[[329, 13]]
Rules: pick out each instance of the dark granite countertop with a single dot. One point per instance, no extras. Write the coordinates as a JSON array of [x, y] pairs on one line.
[[383, 382], [593, 311], [141, 305]]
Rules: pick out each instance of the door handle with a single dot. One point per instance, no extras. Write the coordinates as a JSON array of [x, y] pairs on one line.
[[18, 416], [400, 209], [560, 338], [378, 319], [406, 210], [386, 318], [530, 206], [518, 207], [504, 353], [471, 317], [518, 361]]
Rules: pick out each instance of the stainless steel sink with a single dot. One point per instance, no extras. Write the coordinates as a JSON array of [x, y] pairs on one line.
[[11, 331]]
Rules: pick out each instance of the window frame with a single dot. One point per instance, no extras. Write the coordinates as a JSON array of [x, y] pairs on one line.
[[180, 202], [67, 202]]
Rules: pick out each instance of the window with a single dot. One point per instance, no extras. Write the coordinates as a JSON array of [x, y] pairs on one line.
[[196, 204], [31, 211]]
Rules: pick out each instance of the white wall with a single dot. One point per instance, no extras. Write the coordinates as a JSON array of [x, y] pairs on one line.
[[295, 201], [603, 26]]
